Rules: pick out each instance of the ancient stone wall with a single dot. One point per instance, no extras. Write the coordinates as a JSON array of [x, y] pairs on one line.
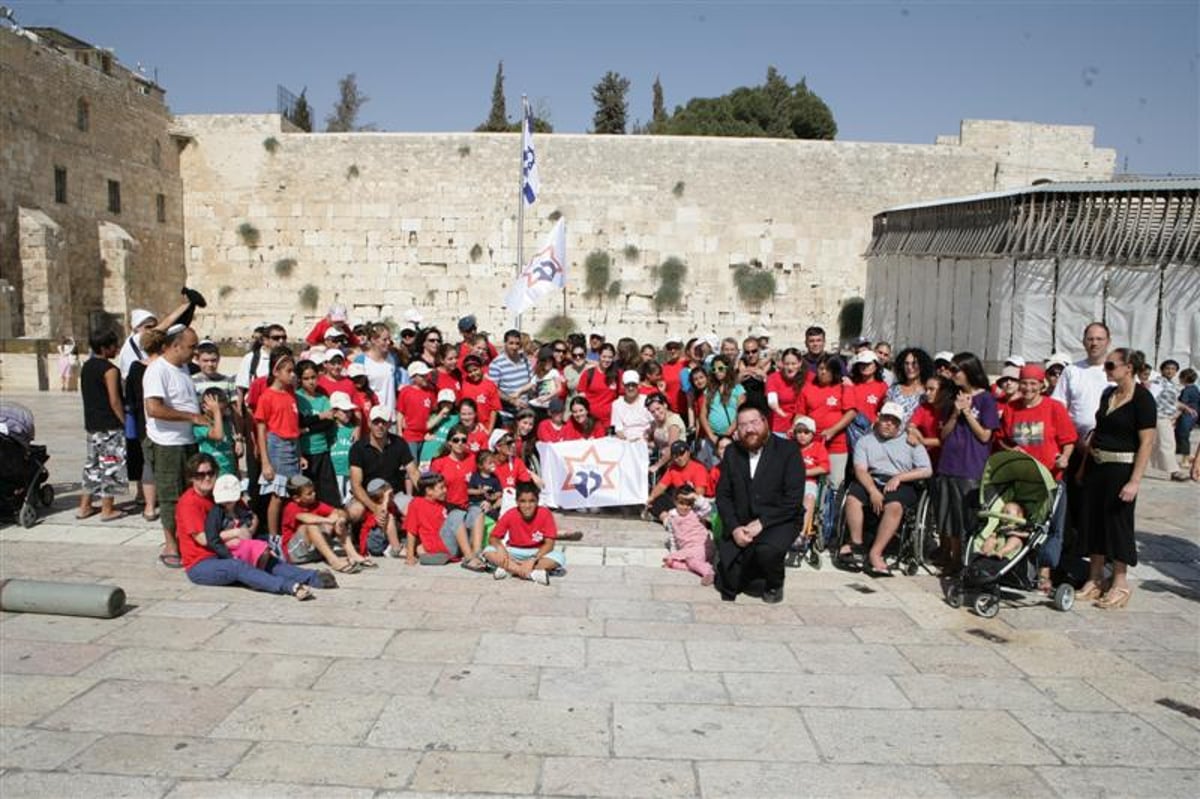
[[126, 140], [385, 221]]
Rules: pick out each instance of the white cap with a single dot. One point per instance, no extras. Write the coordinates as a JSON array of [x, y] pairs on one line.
[[140, 316], [337, 313], [804, 421], [314, 354], [630, 376], [1058, 359], [497, 435], [333, 332], [227, 489], [414, 316], [356, 369], [944, 355], [446, 395], [340, 401], [1015, 360], [892, 409], [866, 356], [380, 412], [713, 341], [418, 368], [334, 352], [1010, 373]]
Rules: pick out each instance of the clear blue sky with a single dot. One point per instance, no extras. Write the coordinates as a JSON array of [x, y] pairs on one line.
[[891, 71]]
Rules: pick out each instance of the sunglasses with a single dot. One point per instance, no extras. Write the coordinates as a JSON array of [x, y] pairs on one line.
[[558, 351], [278, 338], [578, 354], [1111, 365], [718, 368], [458, 440], [432, 340], [752, 352], [206, 473], [507, 442]]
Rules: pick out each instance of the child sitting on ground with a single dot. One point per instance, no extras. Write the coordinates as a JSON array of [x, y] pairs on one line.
[[440, 541], [380, 536], [307, 522], [230, 526], [1011, 533], [691, 546], [522, 542], [816, 463]]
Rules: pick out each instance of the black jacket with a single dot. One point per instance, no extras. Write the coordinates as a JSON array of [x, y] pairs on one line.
[[774, 496]]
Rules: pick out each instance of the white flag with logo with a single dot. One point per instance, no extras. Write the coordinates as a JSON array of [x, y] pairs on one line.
[[546, 272], [530, 183], [594, 473]]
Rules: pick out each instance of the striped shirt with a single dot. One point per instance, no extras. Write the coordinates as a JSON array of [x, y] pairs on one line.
[[509, 375]]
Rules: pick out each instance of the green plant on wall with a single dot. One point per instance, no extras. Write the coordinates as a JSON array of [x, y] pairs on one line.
[[754, 284], [352, 172], [285, 266], [614, 290], [476, 252], [678, 188], [249, 234], [671, 273], [557, 326], [597, 270], [225, 291], [271, 144], [310, 295], [631, 252], [554, 215]]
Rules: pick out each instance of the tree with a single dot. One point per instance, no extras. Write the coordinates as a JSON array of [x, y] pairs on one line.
[[344, 117], [497, 121], [609, 95], [776, 109], [301, 115]]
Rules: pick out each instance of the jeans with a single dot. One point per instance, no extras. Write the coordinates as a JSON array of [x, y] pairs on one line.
[[1051, 551], [277, 578]]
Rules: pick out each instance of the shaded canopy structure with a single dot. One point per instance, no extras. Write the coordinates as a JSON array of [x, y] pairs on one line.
[[1023, 271]]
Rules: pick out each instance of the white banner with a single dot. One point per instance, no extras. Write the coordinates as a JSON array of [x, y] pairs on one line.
[[594, 473], [546, 272]]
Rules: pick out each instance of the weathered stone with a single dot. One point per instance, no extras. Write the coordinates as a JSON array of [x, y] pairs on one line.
[[303, 716]]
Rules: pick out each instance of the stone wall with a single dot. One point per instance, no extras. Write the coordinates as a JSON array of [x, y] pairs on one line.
[[126, 140], [386, 221]]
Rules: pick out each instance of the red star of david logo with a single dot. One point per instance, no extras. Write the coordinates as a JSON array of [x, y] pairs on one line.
[[588, 473]]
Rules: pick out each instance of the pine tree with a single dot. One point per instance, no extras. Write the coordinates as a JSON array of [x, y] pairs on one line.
[[344, 117], [609, 95], [301, 115], [497, 121], [659, 111]]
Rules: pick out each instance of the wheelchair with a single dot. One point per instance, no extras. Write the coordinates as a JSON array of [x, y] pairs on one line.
[[810, 542], [908, 551]]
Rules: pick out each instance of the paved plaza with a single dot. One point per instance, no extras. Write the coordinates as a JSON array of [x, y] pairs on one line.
[[619, 680]]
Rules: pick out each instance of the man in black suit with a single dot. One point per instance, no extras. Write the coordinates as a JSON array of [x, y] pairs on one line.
[[759, 499]]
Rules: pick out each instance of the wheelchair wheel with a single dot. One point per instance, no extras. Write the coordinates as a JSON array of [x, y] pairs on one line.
[[922, 536], [814, 558]]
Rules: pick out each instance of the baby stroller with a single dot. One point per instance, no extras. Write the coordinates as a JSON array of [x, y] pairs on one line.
[[23, 473], [1009, 477]]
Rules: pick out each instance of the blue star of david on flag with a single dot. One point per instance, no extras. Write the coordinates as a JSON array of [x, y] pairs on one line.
[[531, 183]]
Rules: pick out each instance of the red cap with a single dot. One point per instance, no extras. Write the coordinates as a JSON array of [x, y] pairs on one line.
[[1032, 372]]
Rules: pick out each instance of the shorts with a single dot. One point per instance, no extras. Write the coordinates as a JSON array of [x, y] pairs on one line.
[[285, 459], [299, 550], [474, 512], [905, 494], [104, 471], [343, 486], [528, 553], [811, 489], [454, 519]]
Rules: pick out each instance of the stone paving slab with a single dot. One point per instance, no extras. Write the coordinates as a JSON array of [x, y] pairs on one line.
[[618, 778], [159, 756], [146, 707], [707, 732]]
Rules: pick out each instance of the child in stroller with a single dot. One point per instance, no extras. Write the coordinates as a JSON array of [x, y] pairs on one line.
[[1008, 538], [23, 474]]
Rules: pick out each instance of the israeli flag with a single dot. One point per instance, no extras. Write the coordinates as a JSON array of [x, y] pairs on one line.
[[530, 184]]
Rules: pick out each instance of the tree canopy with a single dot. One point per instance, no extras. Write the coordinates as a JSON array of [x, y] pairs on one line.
[[775, 109], [497, 121], [344, 117], [611, 103], [301, 114]]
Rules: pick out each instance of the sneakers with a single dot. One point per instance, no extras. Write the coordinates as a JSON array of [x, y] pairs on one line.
[[540, 576], [499, 574], [392, 553]]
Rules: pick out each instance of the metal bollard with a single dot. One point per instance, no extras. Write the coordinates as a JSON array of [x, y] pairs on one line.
[[63, 599]]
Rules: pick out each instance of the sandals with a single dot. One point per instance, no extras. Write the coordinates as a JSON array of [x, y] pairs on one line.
[[1114, 599], [1045, 586], [170, 561], [302, 592], [1089, 590], [349, 567], [474, 564], [150, 517], [367, 563]]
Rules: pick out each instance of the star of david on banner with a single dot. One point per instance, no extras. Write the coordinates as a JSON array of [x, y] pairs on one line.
[[594, 473]]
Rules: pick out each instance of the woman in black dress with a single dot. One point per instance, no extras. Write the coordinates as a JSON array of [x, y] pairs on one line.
[[1119, 448]]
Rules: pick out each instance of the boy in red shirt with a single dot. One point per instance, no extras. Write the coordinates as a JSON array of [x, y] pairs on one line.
[[307, 522], [522, 542], [441, 540], [816, 462], [680, 472]]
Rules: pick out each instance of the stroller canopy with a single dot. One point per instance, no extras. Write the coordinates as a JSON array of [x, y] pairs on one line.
[[1017, 477]]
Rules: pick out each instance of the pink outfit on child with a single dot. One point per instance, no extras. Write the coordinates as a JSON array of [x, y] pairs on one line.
[[247, 550], [693, 546]]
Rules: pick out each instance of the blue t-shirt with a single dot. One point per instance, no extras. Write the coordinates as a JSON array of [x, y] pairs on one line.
[[492, 483]]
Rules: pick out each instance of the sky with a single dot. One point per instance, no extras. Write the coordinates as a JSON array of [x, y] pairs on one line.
[[890, 71]]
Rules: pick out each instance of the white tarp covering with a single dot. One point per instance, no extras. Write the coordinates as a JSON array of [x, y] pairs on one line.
[[1131, 306], [1033, 310], [873, 296], [961, 306], [1079, 301], [943, 336], [1180, 316], [925, 322], [1000, 311], [977, 311]]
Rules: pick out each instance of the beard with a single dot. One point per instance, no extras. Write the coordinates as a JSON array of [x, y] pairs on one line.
[[753, 440]]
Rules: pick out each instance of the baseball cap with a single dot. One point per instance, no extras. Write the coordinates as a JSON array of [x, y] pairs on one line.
[[861, 341], [467, 323], [556, 405], [317, 355], [678, 448], [380, 412], [1015, 360], [866, 356], [498, 435], [1058, 359], [944, 355], [298, 481], [892, 409], [1031, 371], [446, 395], [334, 332], [630, 376], [356, 369], [334, 354], [337, 313], [806, 422], [378, 486], [227, 489], [141, 316], [1013, 372], [340, 401], [418, 368]]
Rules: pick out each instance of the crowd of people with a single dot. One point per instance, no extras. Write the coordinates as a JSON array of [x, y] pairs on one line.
[[350, 445]]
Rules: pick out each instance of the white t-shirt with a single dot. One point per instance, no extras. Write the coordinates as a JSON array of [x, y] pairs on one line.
[[129, 356], [631, 420], [382, 377], [243, 378], [174, 386], [1079, 389]]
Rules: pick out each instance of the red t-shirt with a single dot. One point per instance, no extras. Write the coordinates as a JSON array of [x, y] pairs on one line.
[[925, 419], [447, 380], [415, 404], [714, 477], [789, 397], [694, 473], [672, 374], [825, 405], [486, 397], [546, 431], [277, 409], [867, 398], [257, 386], [477, 439], [599, 394], [465, 349], [343, 384], [573, 432], [288, 523], [517, 531], [456, 473], [424, 519], [317, 334], [1041, 431], [815, 456], [190, 513], [512, 473]]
